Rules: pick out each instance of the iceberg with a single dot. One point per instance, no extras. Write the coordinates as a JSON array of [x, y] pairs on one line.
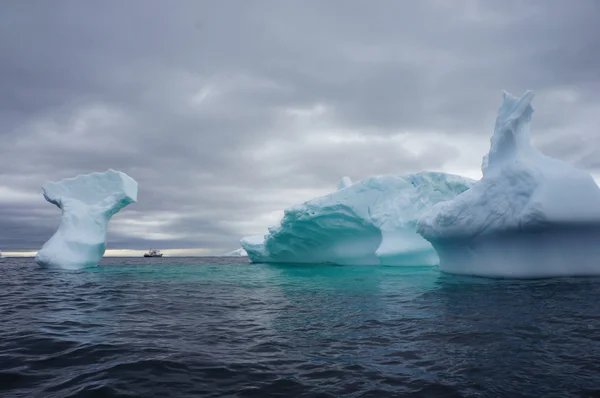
[[254, 246], [369, 222], [530, 215], [87, 203], [236, 253]]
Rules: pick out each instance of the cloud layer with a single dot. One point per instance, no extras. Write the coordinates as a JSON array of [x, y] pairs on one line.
[[227, 112]]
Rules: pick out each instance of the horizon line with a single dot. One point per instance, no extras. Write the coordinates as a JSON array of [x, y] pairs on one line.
[[196, 252]]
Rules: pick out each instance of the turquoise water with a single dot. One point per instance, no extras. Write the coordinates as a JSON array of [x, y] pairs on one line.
[[223, 327]]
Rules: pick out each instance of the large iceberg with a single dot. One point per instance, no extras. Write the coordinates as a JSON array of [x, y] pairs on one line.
[[87, 202], [529, 216], [368, 222]]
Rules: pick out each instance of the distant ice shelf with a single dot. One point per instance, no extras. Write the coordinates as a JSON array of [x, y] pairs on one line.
[[530, 215], [367, 222], [87, 202]]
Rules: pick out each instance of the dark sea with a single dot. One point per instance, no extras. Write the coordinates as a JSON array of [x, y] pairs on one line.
[[221, 327]]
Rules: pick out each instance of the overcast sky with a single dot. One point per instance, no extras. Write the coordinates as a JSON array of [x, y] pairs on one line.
[[226, 112]]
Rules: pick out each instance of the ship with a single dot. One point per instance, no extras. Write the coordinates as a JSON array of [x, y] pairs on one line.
[[153, 253]]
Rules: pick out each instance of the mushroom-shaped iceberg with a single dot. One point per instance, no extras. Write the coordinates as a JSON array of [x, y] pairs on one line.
[[87, 202]]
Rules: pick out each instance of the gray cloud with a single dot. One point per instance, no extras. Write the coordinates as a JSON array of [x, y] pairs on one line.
[[227, 111]]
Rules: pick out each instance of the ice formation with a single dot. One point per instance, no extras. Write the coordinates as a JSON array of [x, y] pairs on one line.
[[236, 253], [368, 222], [529, 216], [87, 202], [344, 183]]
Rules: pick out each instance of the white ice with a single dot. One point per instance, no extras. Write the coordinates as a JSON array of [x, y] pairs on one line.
[[529, 216], [368, 222], [236, 253], [87, 202], [344, 183]]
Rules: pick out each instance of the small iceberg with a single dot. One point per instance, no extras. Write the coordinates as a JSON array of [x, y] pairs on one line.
[[236, 253]]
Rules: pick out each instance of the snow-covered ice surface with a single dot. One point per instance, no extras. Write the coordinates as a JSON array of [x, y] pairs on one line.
[[368, 222], [236, 253], [344, 183], [87, 202], [529, 216]]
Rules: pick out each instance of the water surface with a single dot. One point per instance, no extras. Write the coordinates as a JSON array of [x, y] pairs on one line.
[[214, 327]]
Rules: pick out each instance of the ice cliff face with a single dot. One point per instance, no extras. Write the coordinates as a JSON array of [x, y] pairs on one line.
[[87, 202], [368, 222], [529, 216]]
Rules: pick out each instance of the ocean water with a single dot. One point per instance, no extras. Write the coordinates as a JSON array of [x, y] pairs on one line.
[[217, 327]]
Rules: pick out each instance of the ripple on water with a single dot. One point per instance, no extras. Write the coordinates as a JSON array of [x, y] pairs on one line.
[[221, 327]]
